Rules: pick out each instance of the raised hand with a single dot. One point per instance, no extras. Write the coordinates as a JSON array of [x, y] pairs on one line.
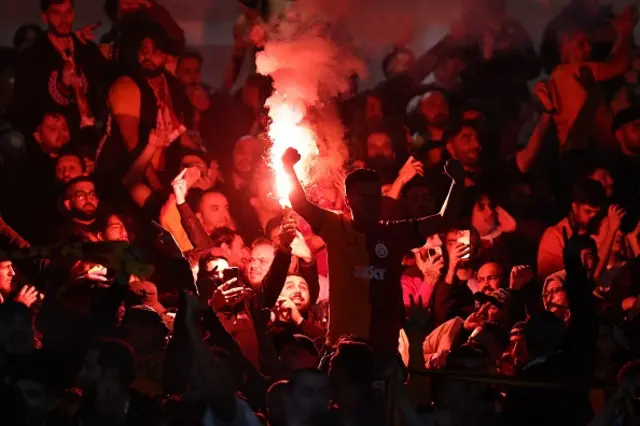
[[454, 169], [85, 34], [506, 222], [226, 295], [520, 275], [431, 267], [615, 216], [288, 232], [179, 185], [290, 158], [410, 169], [27, 295], [288, 312], [542, 93]]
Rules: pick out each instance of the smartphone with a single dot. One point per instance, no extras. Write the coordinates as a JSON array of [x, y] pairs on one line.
[[434, 252], [464, 237], [231, 276]]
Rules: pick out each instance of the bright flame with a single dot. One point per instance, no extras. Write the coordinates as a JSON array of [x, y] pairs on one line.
[[287, 130]]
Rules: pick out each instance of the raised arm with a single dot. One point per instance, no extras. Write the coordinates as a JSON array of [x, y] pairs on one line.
[[313, 214], [430, 225], [618, 62]]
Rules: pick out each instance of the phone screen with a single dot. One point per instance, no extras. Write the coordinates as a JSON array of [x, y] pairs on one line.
[[231, 276], [464, 237]]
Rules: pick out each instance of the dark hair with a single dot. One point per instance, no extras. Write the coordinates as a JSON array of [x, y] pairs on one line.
[[190, 54], [456, 126], [357, 360], [273, 224], [589, 192], [74, 181], [115, 354], [361, 176], [46, 4], [126, 220], [261, 241], [20, 35], [386, 61], [222, 236], [68, 151], [198, 196]]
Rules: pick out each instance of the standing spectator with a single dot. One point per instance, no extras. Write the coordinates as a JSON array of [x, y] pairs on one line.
[[60, 72]]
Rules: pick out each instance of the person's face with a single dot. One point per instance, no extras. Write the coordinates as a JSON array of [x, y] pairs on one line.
[[584, 214], [214, 211], [447, 73], [189, 71], [310, 396], [552, 287], [365, 201], [59, 17], [115, 230], [296, 289], [419, 201], [516, 353], [465, 147], [631, 135], [400, 63], [206, 181], [83, 199], [435, 109], [30, 38], [379, 146], [35, 398], [604, 177], [575, 48], [373, 109], [236, 254], [219, 265], [483, 216], [16, 335], [261, 259], [559, 305], [589, 260], [491, 312], [246, 154], [150, 58], [293, 358], [68, 167], [489, 278], [6, 277], [90, 372], [53, 133]]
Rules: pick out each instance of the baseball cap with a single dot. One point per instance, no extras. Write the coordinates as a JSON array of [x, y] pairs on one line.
[[498, 297], [145, 293]]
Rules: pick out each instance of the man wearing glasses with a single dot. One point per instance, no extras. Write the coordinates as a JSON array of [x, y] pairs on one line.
[[80, 207]]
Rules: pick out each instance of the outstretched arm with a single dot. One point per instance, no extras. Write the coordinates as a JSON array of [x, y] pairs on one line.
[[430, 225], [313, 214]]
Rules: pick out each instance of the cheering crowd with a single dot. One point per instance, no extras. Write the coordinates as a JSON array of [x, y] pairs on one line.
[[474, 261]]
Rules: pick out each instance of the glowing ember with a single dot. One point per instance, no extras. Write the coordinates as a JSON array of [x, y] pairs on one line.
[[287, 130]]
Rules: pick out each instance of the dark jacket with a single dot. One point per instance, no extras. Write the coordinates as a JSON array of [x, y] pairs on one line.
[[37, 73]]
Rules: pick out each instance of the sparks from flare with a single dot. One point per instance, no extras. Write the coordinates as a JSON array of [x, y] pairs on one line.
[[287, 130]]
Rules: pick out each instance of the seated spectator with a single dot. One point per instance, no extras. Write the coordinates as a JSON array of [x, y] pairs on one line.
[[81, 206], [586, 203]]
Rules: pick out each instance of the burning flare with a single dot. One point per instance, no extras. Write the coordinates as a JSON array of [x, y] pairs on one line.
[[288, 130]]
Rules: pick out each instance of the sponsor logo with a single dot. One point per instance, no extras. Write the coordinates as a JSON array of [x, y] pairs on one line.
[[369, 273], [382, 251]]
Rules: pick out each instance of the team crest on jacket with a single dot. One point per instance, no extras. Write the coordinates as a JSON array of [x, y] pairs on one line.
[[381, 250]]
